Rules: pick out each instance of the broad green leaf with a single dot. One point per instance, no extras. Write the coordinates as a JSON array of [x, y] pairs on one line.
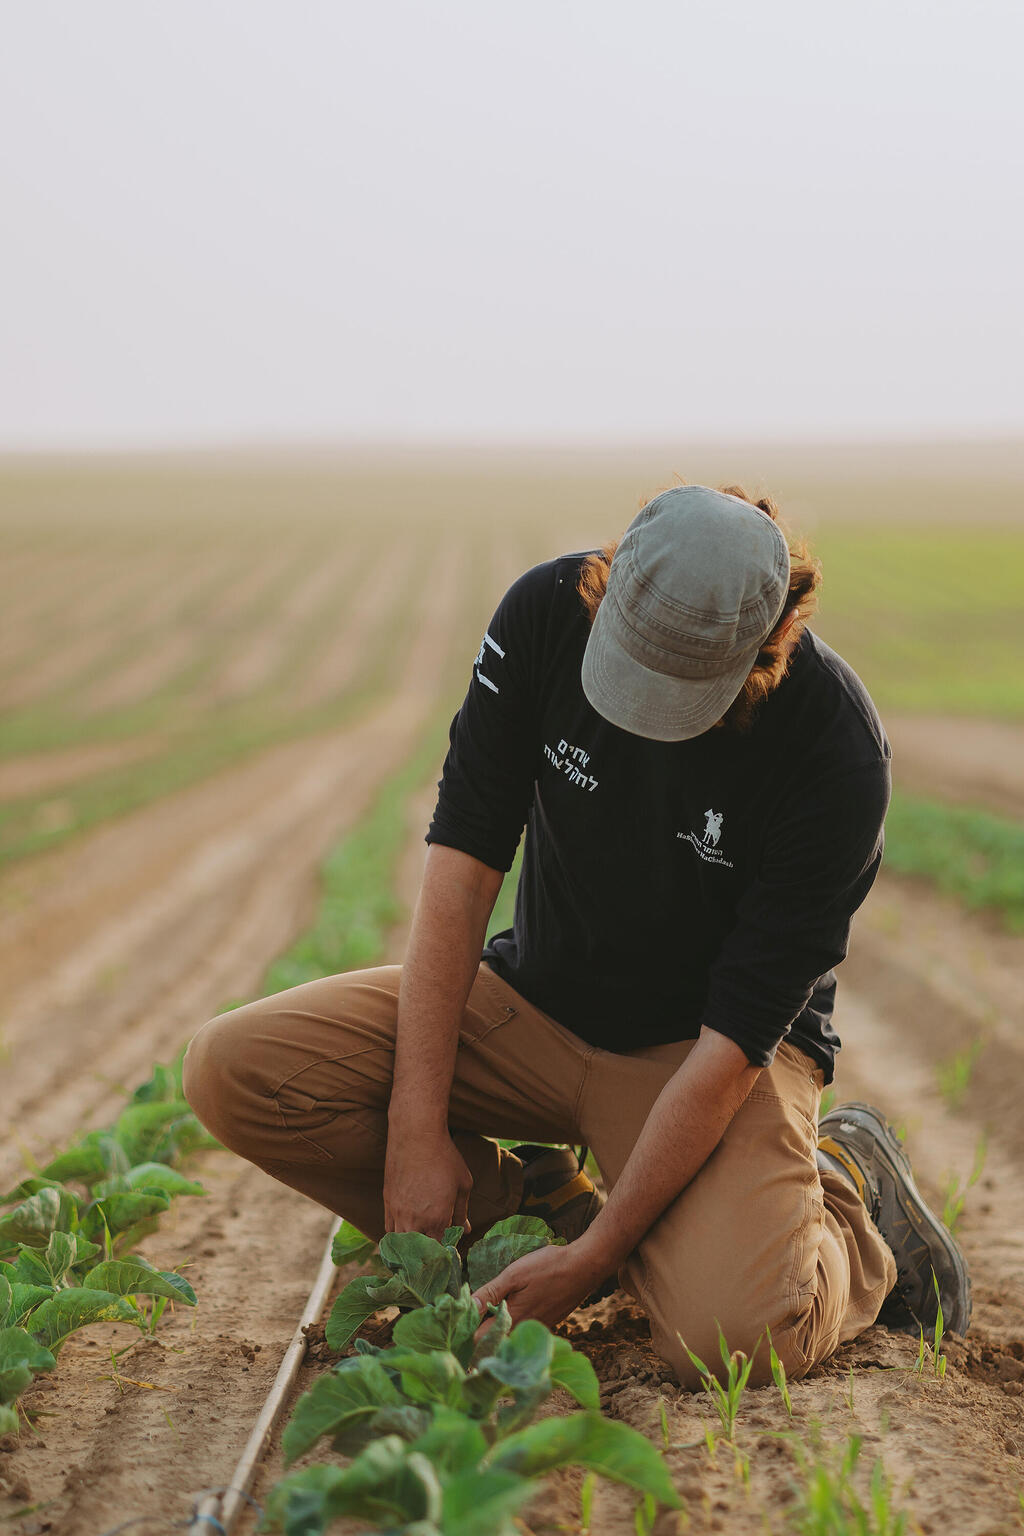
[[96, 1157], [147, 1177], [6, 1299], [350, 1246], [20, 1356], [14, 1379], [8, 1420], [85, 1251], [433, 1378], [360, 1299], [24, 1298], [69, 1310], [31, 1222], [30, 1186], [140, 1127], [505, 1242], [408, 1422], [165, 1084], [388, 1484], [519, 1368], [452, 1443], [453, 1236], [487, 1343], [428, 1268], [524, 1358], [181, 1137], [572, 1371], [29, 1267], [484, 1503], [60, 1255], [450, 1323], [354, 1390], [123, 1211], [587, 1440], [131, 1277]]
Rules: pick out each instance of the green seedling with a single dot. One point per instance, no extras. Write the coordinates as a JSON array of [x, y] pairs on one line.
[[924, 1349], [954, 1075], [644, 1515], [725, 1396], [587, 1503], [439, 1422], [826, 1502], [955, 1193], [828, 1098], [666, 1438], [711, 1444], [93, 1201], [779, 1374], [938, 1359]]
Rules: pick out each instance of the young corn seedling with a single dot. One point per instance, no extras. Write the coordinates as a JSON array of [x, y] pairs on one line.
[[645, 1515], [938, 1360], [827, 1503], [779, 1374], [924, 1349], [955, 1194], [954, 1075], [726, 1397], [587, 1503]]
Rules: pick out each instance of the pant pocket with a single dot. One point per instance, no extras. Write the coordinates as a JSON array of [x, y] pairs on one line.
[[491, 1003]]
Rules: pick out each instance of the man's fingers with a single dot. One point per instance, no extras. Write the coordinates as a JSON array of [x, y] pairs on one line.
[[494, 1291]]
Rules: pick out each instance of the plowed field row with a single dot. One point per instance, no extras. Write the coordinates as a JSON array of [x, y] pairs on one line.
[[115, 946]]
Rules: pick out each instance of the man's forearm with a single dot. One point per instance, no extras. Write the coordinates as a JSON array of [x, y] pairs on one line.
[[442, 959], [684, 1126]]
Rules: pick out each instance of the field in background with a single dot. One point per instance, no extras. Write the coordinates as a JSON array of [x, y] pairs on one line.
[[209, 668]]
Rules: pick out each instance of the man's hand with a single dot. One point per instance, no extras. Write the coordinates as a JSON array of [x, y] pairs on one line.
[[547, 1284], [426, 1184]]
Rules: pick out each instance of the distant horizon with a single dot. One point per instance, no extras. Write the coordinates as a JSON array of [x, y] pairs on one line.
[[326, 447]]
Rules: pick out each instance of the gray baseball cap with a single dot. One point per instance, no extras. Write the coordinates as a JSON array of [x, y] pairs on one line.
[[698, 582]]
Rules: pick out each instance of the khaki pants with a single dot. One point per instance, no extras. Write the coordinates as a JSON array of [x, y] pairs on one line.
[[298, 1083]]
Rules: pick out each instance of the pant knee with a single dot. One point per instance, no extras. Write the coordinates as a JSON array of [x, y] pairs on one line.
[[217, 1082]]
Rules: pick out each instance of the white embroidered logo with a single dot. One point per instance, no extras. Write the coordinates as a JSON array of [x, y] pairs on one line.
[[482, 657], [707, 844], [713, 830]]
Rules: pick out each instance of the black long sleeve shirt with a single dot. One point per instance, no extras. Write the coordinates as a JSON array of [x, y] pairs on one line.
[[665, 885]]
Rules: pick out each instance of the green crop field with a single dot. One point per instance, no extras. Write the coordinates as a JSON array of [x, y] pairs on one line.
[[189, 645]]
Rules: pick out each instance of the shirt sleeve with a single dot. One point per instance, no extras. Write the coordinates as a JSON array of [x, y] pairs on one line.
[[486, 786], [793, 921]]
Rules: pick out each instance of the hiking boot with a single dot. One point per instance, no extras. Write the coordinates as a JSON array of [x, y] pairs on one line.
[[854, 1140], [557, 1188]]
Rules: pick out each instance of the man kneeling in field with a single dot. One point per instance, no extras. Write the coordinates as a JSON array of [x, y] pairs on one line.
[[703, 784]]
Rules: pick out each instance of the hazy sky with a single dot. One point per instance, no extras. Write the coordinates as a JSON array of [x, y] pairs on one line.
[[292, 219]]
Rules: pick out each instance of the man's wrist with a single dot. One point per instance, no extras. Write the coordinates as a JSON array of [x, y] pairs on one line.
[[416, 1119], [599, 1252]]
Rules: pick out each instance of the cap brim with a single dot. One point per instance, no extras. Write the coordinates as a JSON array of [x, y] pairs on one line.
[[649, 703]]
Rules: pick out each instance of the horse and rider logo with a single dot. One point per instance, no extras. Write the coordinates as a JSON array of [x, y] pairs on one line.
[[706, 845], [713, 830]]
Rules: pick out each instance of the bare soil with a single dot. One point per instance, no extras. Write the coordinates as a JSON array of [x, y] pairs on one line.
[[33, 773], [967, 762], [116, 948]]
